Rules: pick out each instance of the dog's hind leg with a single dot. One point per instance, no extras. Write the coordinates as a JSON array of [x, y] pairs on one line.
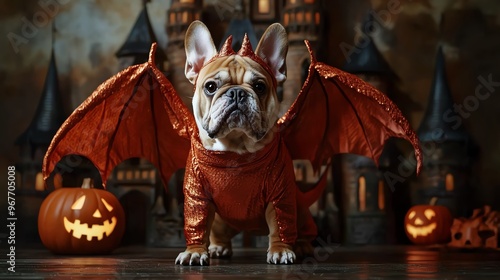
[[307, 231]]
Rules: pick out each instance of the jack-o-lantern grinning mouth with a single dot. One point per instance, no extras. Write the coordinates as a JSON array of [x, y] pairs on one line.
[[421, 230], [95, 230]]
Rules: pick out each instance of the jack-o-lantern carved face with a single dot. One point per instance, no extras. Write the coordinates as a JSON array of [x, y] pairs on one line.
[[91, 230], [421, 224], [428, 224], [81, 221]]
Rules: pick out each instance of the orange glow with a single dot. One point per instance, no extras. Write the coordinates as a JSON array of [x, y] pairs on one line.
[[362, 193], [300, 17], [381, 195], [264, 7], [450, 182], [39, 183]]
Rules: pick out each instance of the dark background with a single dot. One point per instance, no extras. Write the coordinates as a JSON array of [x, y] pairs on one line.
[[90, 32]]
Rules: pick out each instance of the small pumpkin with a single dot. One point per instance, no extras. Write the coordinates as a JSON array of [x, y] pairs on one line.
[[428, 224], [81, 221]]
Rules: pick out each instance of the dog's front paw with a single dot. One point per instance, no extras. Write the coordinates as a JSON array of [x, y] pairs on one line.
[[193, 256], [220, 251], [280, 254]]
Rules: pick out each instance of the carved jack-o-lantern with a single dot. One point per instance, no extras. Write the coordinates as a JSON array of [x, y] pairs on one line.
[[428, 224], [479, 231], [81, 221]]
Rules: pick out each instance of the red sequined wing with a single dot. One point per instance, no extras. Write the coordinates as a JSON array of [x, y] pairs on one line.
[[337, 112], [135, 113]]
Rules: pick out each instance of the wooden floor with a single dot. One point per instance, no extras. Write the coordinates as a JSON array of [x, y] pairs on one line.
[[335, 262]]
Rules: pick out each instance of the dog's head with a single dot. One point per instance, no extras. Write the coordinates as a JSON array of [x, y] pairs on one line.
[[235, 103]]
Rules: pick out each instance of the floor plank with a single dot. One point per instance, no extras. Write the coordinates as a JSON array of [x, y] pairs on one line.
[[334, 262]]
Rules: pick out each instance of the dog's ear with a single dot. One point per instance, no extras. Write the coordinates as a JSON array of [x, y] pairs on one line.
[[272, 48], [199, 49]]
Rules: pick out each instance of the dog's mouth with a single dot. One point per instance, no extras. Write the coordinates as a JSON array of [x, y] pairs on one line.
[[226, 115]]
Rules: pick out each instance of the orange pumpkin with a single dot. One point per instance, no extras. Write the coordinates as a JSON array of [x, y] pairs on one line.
[[428, 224], [81, 221]]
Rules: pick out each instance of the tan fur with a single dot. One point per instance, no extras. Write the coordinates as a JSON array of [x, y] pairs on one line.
[[234, 71]]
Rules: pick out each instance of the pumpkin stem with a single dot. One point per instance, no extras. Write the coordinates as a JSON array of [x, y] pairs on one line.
[[433, 201], [87, 183]]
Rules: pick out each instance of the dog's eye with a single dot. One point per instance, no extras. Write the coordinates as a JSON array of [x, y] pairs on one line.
[[259, 87], [210, 87]]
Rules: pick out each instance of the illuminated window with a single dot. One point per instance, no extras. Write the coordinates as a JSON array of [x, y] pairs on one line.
[[300, 17], [285, 19], [309, 1], [39, 184], [381, 196], [144, 174], [308, 17], [264, 7], [450, 182], [362, 193], [185, 17], [120, 175], [317, 18], [187, 1]]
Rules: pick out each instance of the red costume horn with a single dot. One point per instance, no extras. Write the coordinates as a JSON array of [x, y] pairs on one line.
[[246, 50]]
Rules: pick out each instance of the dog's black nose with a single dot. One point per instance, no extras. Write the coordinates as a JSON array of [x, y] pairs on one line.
[[237, 94]]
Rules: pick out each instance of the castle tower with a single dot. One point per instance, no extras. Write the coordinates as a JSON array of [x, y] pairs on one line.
[[364, 194], [239, 25], [301, 19], [135, 49], [447, 146], [35, 140], [179, 16]]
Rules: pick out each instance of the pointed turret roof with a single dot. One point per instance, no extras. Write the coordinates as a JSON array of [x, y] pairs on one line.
[[439, 122], [366, 58], [49, 114], [139, 39], [240, 25]]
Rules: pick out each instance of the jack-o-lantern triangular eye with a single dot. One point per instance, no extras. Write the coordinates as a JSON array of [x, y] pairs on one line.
[[412, 215], [429, 213], [78, 203], [107, 205]]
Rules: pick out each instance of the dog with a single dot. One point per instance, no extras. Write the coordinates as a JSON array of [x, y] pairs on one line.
[[243, 177]]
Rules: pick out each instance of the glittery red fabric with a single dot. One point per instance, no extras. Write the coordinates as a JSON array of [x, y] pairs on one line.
[[240, 187]]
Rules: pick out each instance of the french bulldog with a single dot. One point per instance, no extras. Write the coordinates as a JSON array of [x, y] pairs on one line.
[[235, 106]]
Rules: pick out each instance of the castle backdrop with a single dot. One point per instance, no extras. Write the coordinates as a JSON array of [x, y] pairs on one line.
[[89, 33]]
